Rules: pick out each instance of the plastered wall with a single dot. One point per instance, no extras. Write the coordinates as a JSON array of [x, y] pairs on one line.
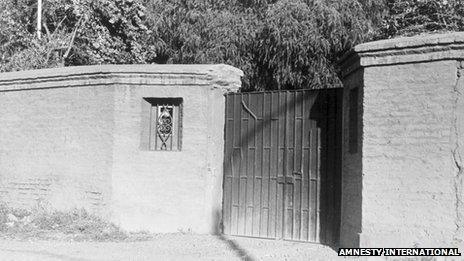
[[166, 191], [55, 147], [408, 166], [73, 137]]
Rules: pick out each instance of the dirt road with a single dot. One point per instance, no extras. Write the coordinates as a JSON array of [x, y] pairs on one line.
[[166, 247]]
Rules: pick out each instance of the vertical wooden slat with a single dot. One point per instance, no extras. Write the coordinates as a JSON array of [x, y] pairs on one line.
[[235, 165], [299, 162], [308, 155], [263, 160], [279, 182], [297, 166], [248, 154], [257, 109], [251, 103], [243, 167], [313, 184], [273, 165], [266, 163], [237, 156], [280, 166], [295, 195], [284, 168], [320, 162], [314, 166], [305, 168], [288, 185]]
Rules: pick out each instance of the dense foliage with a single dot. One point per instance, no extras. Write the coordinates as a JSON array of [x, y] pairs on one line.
[[300, 41], [279, 44], [74, 33], [284, 44], [422, 16]]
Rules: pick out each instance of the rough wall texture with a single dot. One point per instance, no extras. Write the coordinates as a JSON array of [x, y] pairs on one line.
[[71, 137], [412, 134], [457, 149], [55, 147], [408, 175], [167, 191]]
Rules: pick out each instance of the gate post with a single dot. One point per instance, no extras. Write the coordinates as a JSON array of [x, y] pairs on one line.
[[224, 79], [402, 181]]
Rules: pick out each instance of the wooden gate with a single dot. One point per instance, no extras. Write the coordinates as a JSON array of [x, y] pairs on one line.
[[282, 165]]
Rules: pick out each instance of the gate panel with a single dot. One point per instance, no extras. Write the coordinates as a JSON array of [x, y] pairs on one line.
[[281, 165]]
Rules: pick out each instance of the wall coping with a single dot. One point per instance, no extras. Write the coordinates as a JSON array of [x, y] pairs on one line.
[[221, 76], [402, 50]]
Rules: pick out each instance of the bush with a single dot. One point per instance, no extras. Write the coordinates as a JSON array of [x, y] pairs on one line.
[[76, 224]]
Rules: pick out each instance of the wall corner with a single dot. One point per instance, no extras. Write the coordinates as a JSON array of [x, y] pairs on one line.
[[225, 77]]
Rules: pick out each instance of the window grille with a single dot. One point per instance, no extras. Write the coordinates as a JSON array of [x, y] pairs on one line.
[[165, 123]]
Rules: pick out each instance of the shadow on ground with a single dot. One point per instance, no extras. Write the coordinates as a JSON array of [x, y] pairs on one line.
[[242, 253], [239, 251]]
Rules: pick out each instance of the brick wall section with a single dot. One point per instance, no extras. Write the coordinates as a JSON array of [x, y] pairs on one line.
[[71, 137], [410, 162], [55, 146], [408, 176]]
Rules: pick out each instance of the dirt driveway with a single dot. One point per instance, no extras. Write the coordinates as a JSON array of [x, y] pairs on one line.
[[167, 247]]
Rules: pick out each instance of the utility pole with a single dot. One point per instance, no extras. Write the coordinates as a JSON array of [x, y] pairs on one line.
[[39, 18]]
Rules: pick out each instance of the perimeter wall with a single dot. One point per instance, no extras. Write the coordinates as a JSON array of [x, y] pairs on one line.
[[403, 143], [78, 137]]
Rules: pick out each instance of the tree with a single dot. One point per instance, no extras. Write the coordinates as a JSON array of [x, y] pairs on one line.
[[19, 47], [410, 17], [278, 44], [301, 42], [111, 32], [77, 32], [199, 31]]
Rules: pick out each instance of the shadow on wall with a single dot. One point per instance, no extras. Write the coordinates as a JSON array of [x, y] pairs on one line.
[[238, 250], [326, 112]]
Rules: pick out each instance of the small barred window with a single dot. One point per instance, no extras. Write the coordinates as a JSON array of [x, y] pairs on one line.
[[165, 123]]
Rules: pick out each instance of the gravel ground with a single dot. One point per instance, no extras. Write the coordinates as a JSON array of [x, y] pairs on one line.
[[175, 247]]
